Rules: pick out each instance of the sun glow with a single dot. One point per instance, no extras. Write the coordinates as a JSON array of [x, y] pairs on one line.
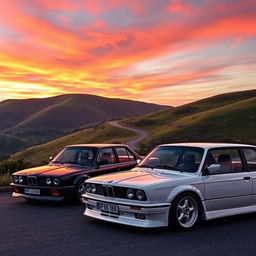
[[167, 52]]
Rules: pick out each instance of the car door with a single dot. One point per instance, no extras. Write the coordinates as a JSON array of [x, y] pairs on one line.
[[125, 158], [250, 158], [227, 183], [108, 161]]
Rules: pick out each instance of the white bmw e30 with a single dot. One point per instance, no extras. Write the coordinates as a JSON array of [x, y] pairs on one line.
[[177, 185]]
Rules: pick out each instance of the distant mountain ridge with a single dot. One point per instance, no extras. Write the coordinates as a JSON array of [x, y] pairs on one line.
[[34, 121], [67, 112]]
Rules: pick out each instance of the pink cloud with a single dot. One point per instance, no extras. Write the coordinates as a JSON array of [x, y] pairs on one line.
[[180, 6]]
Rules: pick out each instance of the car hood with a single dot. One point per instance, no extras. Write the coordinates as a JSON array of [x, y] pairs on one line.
[[139, 178], [53, 170]]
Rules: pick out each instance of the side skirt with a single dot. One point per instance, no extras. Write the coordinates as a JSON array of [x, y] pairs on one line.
[[229, 212]]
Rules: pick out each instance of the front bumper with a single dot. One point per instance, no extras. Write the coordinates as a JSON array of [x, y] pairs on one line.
[[139, 215], [46, 193]]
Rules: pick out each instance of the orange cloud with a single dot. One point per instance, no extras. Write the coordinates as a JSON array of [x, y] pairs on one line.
[[125, 49]]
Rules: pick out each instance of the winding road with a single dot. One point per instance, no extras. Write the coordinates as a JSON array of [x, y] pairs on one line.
[[133, 143]]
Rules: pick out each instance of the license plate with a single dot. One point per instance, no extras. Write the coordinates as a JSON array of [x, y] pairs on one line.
[[111, 208], [32, 191]]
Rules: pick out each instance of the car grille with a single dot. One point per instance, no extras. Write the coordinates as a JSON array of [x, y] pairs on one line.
[[32, 180], [111, 191]]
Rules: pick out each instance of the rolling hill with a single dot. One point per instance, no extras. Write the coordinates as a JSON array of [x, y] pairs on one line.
[[103, 133], [222, 118], [35, 121], [152, 121], [67, 112]]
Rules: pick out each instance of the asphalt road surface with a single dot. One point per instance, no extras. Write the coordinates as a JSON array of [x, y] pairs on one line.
[[133, 143], [56, 229]]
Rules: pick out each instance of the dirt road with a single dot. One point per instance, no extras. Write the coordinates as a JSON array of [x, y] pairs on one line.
[[133, 143]]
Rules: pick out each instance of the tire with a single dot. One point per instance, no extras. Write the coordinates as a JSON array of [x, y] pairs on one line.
[[79, 191], [184, 212]]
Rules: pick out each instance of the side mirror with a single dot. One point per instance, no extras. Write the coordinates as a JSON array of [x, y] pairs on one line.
[[138, 161], [50, 158], [212, 169]]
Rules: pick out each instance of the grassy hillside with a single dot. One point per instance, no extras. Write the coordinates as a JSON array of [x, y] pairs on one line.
[[235, 122], [35, 121], [153, 121], [222, 118], [228, 117], [9, 143], [103, 133]]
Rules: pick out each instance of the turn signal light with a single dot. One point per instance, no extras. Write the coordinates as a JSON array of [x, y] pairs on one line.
[[55, 192], [137, 208]]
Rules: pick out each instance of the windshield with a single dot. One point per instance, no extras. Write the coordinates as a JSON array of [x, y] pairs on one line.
[[176, 158], [76, 155]]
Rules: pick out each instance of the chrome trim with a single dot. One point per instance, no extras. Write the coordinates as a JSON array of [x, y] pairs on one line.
[[109, 191]]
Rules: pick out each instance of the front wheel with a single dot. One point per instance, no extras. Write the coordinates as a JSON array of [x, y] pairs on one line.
[[184, 213], [80, 190]]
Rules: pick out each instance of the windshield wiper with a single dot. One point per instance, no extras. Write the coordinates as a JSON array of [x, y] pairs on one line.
[[169, 167], [70, 162], [56, 162]]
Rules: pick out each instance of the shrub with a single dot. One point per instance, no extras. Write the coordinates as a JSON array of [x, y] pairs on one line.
[[13, 166]]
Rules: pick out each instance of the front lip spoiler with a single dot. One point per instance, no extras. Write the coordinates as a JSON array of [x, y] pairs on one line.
[[105, 200], [48, 198], [42, 187]]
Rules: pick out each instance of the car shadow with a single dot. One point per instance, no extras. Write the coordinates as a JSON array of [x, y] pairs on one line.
[[46, 203], [203, 227]]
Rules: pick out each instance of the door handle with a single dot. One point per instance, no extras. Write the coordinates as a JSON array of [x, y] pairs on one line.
[[247, 178]]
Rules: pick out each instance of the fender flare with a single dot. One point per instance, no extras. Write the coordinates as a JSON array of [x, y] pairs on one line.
[[80, 177], [186, 189]]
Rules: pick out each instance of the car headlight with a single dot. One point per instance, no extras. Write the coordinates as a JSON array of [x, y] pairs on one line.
[[56, 181], [93, 188], [140, 195], [20, 179], [48, 181], [130, 193], [88, 187], [15, 179]]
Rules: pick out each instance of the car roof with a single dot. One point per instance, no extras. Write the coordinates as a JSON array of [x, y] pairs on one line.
[[98, 145], [208, 145]]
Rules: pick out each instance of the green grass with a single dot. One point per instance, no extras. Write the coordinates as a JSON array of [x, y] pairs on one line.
[[222, 118], [235, 123], [154, 121], [104, 133]]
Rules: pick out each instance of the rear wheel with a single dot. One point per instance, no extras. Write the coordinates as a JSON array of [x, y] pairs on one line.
[[184, 213]]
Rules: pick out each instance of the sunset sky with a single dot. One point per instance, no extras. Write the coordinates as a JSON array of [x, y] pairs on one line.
[[162, 51]]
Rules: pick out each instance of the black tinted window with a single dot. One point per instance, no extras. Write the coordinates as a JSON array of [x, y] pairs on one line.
[[108, 156], [250, 156], [224, 160], [181, 158], [122, 154], [76, 155]]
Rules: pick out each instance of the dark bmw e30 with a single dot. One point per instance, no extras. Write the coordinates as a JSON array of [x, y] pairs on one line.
[[63, 178]]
